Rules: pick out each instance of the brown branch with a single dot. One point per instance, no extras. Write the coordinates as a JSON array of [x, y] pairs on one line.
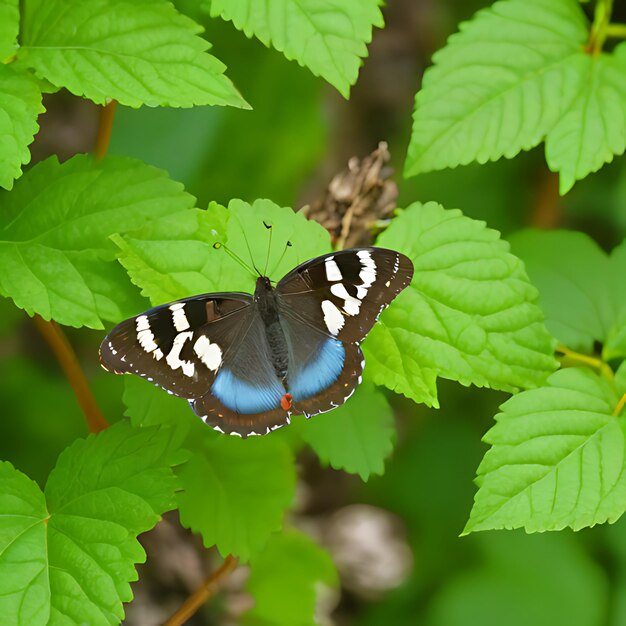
[[207, 590], [68, 361], [105, 127], [546, 210]]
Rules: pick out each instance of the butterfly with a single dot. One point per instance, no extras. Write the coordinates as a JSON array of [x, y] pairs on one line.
[[246, 362]]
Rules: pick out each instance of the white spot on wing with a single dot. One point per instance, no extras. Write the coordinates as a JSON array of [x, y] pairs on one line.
[[209, 353], [368, 273], [178, 316], [333, 317], [146, 340], [333, 273], [142, 323], [351, 304], [173, 358]]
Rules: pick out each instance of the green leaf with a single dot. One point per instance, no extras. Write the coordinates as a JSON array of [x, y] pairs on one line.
[[56, 257], [593, 129], [24, 583], [500, 84], [579, 288], [557, 458], [470, 313], [9, 28], [20, 104], [328, 37], [174, 257], [285, 581], [68, 558], [136, 52], [234, 491], [357, 437]]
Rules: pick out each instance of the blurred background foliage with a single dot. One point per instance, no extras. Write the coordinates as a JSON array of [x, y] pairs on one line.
[[413, 566]]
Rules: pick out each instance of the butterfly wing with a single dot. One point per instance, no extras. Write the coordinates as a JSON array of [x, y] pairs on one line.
[[246, 397], [343, 293], [179, 346], [323, 372], [327, 306]]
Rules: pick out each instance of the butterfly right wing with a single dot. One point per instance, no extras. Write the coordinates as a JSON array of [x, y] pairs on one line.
[[180, 346]]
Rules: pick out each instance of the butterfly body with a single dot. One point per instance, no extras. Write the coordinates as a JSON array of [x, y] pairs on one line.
[[247, 362]]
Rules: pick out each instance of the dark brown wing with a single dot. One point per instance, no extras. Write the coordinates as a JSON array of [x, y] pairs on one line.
[[179, 346], [343, 293]]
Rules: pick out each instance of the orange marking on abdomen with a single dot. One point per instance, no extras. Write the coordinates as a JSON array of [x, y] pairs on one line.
[[285, 402]]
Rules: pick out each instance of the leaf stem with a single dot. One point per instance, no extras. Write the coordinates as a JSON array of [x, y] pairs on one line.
[[591, 361], [599, 28], [620, 406], [105, 127], [616, 30], [207, 590], [70, 365]]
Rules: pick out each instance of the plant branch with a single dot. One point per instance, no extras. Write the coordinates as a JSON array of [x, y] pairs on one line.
[[617, 31], [599, 28], [105, 127], [70, 365], [546, 206], [592, 361], [207, 590], [620, 406]]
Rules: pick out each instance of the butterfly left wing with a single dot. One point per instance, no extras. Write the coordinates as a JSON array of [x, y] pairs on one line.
[[343, 293], [179, 346]]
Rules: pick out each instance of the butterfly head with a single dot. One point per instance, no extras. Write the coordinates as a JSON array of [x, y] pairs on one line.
[[263, 286]]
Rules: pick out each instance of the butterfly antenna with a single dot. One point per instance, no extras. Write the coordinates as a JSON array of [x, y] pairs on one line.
[[287, 245], [269, 246], [217, 245], [245, 238]]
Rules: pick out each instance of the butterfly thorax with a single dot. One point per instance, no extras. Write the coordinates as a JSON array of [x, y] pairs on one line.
[[267, 306]]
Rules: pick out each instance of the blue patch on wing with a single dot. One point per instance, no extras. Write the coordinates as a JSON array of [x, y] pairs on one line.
[[320, 372], [242, 397]]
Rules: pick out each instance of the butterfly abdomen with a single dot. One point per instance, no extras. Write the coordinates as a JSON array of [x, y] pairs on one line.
[[265, 300]]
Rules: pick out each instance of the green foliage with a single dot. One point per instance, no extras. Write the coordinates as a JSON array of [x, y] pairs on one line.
[[20, 104], [580, 288], [175, 257], [470, 313], [515, 75], [593, 128], [9, 28], [516, 577], [557, 458], [519, 73], [357, 437], [328, 37], [56, 257], [137, 52], [234, 491], [286, 594], [67, 555]]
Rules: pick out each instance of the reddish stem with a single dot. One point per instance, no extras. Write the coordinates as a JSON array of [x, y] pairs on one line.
[[68, 361], [207, 590], [105, 128]]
